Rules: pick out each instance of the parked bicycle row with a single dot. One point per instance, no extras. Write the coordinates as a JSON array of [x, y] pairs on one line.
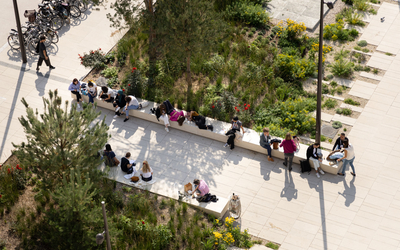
[[50, 17]]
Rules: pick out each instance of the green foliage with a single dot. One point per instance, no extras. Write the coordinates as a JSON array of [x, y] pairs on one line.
[[95, 59], [333, 84], [248, 13], [354, 18], [294, 115], [342, 67], [339, 90], [12, 180], [341, 54], [135, 84], [272, 245], [61, 138], [351, 102], [349, 2], [344, 111], [361, 5], [336, 124], [362, 43], [110, 72], [336, 31], [329, 103], [291, 68]]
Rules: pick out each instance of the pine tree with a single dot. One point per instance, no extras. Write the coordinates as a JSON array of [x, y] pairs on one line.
[[60, 139], [187, 28]]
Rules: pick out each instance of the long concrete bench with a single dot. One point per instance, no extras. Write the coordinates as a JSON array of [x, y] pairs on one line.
[[249, 141]]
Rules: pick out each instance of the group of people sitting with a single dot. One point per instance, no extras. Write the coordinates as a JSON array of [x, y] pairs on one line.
[[342, 151]]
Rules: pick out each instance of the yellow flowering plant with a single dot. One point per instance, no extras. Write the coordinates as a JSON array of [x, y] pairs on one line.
[[230, 236]]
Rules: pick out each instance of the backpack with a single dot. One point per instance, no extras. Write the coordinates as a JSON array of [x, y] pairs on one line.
[[37, 47], [305, 166], [208, 197]]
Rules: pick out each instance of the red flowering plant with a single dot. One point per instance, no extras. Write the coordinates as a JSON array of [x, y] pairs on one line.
[[12, 180], [96, 59], [135, 84], [217, 108], [243, 112]]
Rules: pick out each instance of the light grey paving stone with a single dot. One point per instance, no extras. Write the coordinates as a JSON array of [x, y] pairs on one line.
[[371, 76], [335, 97], [354, 108], [344, 119]]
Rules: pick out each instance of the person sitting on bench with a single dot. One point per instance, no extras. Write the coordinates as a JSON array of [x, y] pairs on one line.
[[128, 166], [312, 154], [146, 173], [201, 188]]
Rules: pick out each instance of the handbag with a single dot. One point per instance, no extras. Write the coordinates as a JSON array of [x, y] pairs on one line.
[[134, 179], [116, 161], [188, 187]]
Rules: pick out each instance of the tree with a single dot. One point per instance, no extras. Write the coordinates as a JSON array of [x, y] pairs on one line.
[[74, 222], [59, 139], [187, 28]]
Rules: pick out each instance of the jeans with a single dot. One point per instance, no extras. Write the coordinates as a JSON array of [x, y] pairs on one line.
[[91, 98], [345, 161], [129, 108], [290, 158], [268, 148], [78, 95], [316, 163]]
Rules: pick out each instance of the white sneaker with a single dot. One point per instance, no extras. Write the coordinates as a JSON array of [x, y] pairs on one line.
[[318, 175], [79, 106], [322, 172], [115, 116], [166, 129], [226, 145], [117, 109]]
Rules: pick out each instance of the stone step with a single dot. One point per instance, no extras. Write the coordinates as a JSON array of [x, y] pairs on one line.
[[334, 97], [371, 76], [344, 119], [353, 108], [362, 52]]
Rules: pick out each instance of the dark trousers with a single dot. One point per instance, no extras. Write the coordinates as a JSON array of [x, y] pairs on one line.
[[39, 63], [78, 95], [147, 179], [231, 138], [268, 148]]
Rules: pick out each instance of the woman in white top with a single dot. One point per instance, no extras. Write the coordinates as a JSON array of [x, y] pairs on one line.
[[107, 94], [348, 157], [92, 91], [131, 103], [146, 173]]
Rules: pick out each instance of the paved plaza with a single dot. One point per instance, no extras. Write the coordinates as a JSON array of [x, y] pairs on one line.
[[296, 210]]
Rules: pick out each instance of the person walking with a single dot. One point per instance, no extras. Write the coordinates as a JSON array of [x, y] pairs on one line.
[[348, 158], [43, 56], [265, 142], [289, 147], [75, 88]]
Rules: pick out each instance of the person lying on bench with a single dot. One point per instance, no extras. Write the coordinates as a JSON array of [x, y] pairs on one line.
[[334, 156], [201, 188], [127, 165]]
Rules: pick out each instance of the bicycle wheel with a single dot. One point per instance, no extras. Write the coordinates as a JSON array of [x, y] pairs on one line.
[[13, 41], [53, 35], [81, 5], [32, 43], [57, 23], [74, 11]]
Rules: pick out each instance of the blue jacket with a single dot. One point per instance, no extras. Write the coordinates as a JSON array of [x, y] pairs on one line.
[[73, 87]]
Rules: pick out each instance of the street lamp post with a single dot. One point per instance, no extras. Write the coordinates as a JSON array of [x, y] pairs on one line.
[[20, 37], [319, 87], [100, 236]]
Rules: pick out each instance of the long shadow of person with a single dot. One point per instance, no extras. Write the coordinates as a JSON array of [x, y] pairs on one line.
[[349, 192], [288, 191], [41, 82]]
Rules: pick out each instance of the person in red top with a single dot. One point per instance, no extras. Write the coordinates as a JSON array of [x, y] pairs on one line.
[[289, 147]]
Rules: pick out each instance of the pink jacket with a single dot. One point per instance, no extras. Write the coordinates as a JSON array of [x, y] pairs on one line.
[[288, 146], [175, 115]]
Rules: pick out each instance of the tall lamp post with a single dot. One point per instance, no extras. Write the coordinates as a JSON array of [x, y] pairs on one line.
[[100, 236], [20, 37], [319, 87]]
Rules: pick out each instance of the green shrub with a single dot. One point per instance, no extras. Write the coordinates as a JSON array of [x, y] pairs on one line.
[[351, 102], [354, 18], [323, 138], [110, 72], [353, 33], [365, 50], [94, 59], [253, 30], [135, 84], [291, 68], [243, 32], [344, 111], [357, 48], [349, 2], [250, 34], [333, 84], [336, 124], [375, 71], [339, 90], [361, 5], [329, 103], [358, 67], [248, 13], [272, 245], [329, 77], [362, 43], [336, 31], [367, 69], [12, 179], [342, 67], [341, 54]]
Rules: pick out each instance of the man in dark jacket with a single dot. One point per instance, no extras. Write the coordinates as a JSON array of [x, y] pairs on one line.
[[126, 165], [312, 154], [339, 142], [43, 56], [265, 142]]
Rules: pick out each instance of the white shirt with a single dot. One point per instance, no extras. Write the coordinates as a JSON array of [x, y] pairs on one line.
[[350, 152], [92, 89], [133, 101], [148, 174], [110, 92]]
